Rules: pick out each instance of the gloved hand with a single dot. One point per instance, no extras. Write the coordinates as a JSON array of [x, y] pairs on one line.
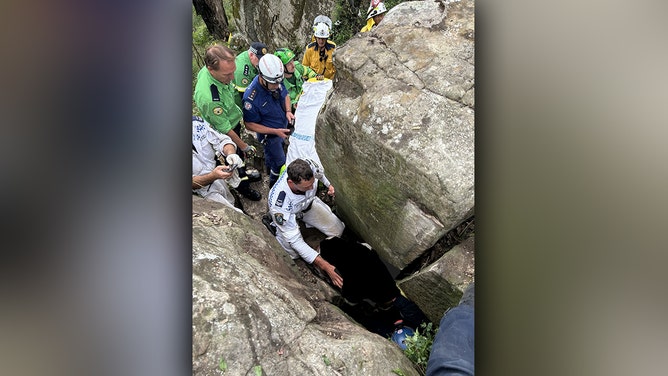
[[234, 159], [250, 151], [234, 180]]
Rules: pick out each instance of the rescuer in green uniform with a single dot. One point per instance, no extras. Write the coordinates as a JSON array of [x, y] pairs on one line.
[[294, 74], [246, 71], [214, 96]]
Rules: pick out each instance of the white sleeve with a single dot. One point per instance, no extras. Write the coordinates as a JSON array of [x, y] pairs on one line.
[[218, 140], [299, 245], [199, 167], [324, 180], [289, 231], [318, 172]]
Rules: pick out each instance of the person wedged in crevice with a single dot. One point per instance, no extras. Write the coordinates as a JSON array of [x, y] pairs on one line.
[[369, 293]]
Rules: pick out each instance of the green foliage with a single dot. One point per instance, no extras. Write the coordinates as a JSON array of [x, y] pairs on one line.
[[222, 365], [398, 371], [201, 35], [350, 20], [229, 13], [257, 370], [326, 360], [200, 41], [232, 13], [389, 4], [418, 347]]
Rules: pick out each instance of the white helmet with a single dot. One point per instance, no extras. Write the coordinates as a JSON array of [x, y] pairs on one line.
[[374, 11], [271, 68], [324, 19], [321, 30]]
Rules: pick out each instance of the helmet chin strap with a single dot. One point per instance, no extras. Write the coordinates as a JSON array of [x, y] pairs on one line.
[[276, 94]]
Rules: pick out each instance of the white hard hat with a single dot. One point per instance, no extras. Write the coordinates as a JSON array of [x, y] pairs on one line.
[[271, 68], [321, 30], [324, 19], [374, 11]]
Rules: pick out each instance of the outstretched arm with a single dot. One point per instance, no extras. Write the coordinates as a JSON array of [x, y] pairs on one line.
[[328, 268], [200, 181]]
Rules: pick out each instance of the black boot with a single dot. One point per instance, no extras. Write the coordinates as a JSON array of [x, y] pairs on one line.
[[250, 173], [253, 174], [269, 223], [245, 190]]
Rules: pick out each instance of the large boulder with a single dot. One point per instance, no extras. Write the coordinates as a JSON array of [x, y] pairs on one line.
[[440, 286], [278, 23], [396, 135], [253, 310]]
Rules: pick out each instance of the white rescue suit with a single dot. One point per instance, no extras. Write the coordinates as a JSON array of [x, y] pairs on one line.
[[302, 140], [206, 144]]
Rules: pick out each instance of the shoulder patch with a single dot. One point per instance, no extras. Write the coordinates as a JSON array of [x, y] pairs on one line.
[[278, 218], [244, 81], [280, 199], [218, 110], [246, 70], [248, 106], [251, 96], [215, 95]]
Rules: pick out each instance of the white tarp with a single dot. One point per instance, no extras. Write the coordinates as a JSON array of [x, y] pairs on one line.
[[302, 140]]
